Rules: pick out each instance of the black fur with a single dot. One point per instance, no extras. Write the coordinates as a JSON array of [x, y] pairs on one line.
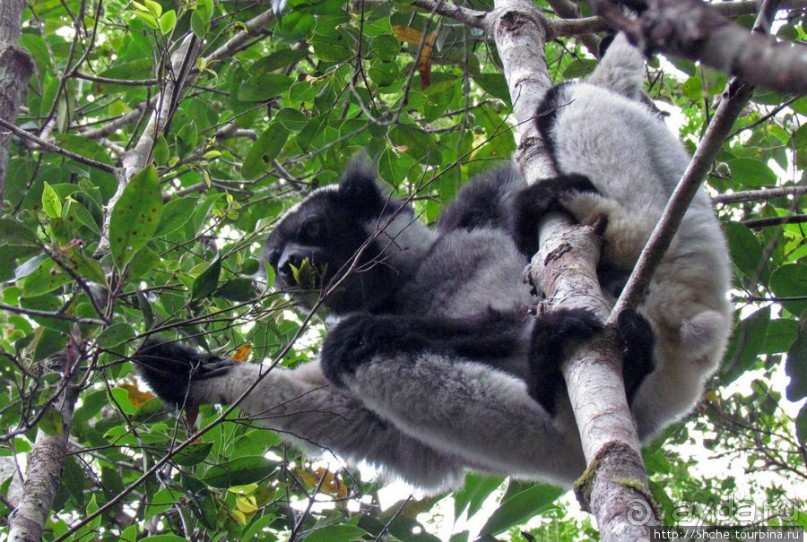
[[168, 367], [638, 342], [546, 117], [535, 201], [485, 203], [362, 337], [552, 334]]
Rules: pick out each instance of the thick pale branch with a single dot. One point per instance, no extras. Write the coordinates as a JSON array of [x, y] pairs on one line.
[[692, 29], [566, 270]]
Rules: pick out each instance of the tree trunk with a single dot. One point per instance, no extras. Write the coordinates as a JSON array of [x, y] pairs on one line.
[[16, 66]]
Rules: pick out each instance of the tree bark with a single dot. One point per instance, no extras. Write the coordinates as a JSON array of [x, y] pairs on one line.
[[565, 269], [16, 67], [44, 473]]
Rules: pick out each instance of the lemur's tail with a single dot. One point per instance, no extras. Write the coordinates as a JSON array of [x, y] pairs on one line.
[[168, 368], [621, 69]]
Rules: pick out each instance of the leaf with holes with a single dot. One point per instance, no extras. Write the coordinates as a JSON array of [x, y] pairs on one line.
[[135, 216]]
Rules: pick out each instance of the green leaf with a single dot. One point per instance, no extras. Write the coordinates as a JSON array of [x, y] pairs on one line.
[[193, 454], [175, 214], [790, 280], [263, 86], [114, 335], [238, 290], [207, 282], [473, 494], [494, 84], [51, 203], [801, 425], [167, 22], [46, 278], [796, 367], [416, 143], [520, 507], [746, 251], [15, 233], [264, 151], [52, 422], [161, 151], [745, 345], [238, 472], [135, 216], [337, 533], [751, 173]]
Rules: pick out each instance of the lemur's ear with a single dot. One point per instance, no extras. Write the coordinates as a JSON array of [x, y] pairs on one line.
[[359, 190]]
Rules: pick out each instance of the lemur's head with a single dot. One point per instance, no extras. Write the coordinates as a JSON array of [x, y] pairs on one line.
[[349, 241]]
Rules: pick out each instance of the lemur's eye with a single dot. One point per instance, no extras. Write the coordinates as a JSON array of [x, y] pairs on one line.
[[312, 230]]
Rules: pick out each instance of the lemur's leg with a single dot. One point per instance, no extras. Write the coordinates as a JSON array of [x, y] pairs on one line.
[[535, 201], [554, 330], [455, 403]]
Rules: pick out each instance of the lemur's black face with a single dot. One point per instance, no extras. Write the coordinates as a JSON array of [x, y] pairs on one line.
[[321, 247]]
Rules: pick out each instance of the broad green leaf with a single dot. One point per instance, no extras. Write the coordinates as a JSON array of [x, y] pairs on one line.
[[475, 491], [207, 282], [265, 149], [494, 84], [161, 151], [135, 216], [796, 367], [114, 335], [745, 345], [751, 173], [237, 289], [193, 454], [337, 533], [238, 472], [520, 507], [15, 233], [46, 278], [263, 86], [746, 251], [51, 203], [789, 282], [175, 214], [167, 22], [52, 422]]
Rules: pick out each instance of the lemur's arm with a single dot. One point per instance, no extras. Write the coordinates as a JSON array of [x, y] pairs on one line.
[[301, 405]]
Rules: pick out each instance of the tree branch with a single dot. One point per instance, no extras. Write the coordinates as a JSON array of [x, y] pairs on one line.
[[50, 147], [692, 29], [734, 99], [758, 223], [45, 464], [565, 269], [758, 195]]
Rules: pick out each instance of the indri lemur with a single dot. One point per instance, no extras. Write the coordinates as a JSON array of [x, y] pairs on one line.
[[426, 373]]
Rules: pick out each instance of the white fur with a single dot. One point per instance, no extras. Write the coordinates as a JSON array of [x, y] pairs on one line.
[[635, 162]]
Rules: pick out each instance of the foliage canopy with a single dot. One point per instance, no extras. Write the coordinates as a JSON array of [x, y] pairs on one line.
[[263, 113]]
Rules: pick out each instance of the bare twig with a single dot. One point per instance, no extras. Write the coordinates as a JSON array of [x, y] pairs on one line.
[[734, 100], [758, 223], [50, 147], [758, 195]]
